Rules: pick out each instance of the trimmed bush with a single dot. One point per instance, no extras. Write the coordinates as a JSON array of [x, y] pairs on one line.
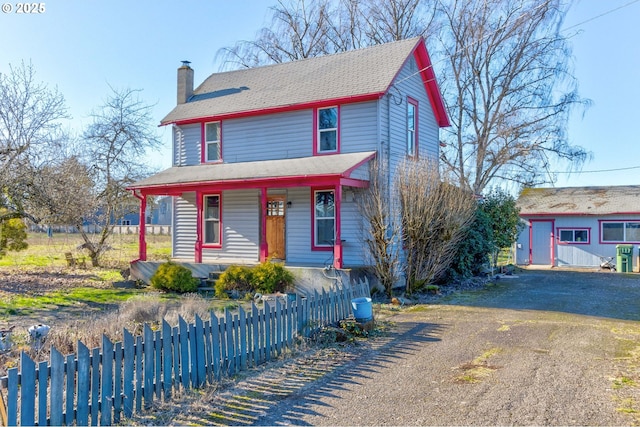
[[270, 277], [266, 278], [173, 277], [236, 278]]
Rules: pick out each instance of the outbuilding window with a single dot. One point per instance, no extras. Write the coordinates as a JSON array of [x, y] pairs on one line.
[[620, 231], [574, 235]]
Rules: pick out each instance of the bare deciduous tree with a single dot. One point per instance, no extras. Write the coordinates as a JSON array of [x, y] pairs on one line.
[[509, 91], [30, 137], [116, 143], [435, 215], [381, 231], [307, 28]]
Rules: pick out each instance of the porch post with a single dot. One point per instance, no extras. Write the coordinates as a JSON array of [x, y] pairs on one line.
[[142, 241], [264, 246], [337, 245], [198, 247]]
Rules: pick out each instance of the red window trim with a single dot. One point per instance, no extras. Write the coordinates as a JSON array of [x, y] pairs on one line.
[[316, 132], [614, 242], [314, 246], [203, 142], [560, 242], [203, 219], [416, 132]]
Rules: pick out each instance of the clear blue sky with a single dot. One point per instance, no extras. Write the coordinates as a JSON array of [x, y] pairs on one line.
[[83, 46]]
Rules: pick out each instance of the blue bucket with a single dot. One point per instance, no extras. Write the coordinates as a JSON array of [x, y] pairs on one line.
[[362, 309]]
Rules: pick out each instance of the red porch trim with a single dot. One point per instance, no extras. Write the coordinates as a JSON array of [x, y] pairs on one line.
[[198, 245], [142, 241], [264, 246], [337, 244]]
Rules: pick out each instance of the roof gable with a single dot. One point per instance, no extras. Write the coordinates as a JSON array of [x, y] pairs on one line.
[[580, 200], [352, 76]]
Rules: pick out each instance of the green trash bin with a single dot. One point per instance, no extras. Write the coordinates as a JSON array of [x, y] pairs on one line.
[[624, 258]]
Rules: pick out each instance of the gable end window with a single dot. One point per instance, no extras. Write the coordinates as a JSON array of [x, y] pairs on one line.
[[212, 220], [327, 135], [324, 219], [620, 231], [212, 142], [412, 127], [574, 235]]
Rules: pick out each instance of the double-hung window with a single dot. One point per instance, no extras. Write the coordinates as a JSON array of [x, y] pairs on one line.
[[211, 220], [620, 231], [212, 151], [412, 127], [327, 132], [324, 218], [574, 235]]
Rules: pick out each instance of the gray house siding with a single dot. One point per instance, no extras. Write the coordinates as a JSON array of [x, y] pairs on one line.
[[184, 224], [268, 137], [240, 228], [186, 145], [358, 130]]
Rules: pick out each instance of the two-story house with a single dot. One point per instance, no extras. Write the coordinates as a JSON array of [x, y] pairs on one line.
[[266, 160]]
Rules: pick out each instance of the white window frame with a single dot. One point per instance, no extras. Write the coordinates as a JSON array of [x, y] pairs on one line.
[[217, 142], [412, 128], [316, 218], [624, 231], [206, 220], [327, 130]]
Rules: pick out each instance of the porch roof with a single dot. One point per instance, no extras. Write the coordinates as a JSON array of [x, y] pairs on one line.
[[283, 172]]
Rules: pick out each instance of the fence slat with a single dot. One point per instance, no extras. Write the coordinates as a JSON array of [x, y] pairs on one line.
[[167, 358], [208, 351], [84, 385], [106, 380], [175, 339], [255, 318], [236, 342], [193, 356], [242, 316], [12, 397], [157, 354], [184, 352], [57, 387], [43, 384], [129, 373], [215, 343], [27, 390], [228, 323], [201, 362], [117, 383], [70, 365], [139, 371], [95, 385]]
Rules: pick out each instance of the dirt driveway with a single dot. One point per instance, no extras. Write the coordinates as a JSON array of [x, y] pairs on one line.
[[547, 348]]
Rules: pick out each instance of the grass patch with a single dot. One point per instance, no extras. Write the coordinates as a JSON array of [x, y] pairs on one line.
[[479, 368], [27, 304], [623, 381]]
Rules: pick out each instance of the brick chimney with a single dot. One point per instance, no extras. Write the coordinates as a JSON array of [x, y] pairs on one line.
[[185, 82]]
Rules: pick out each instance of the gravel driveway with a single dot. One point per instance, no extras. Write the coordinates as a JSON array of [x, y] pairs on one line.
[[546, 348]]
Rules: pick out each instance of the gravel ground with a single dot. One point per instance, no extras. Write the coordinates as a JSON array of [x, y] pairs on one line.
[[544, 348]]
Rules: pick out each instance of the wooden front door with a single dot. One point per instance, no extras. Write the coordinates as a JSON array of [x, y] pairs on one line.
[[275, 227]]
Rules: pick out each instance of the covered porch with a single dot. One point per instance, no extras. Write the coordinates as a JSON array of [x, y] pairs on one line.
[[268, 189]]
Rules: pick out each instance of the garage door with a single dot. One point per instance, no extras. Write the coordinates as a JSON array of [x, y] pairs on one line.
[[541, 242]]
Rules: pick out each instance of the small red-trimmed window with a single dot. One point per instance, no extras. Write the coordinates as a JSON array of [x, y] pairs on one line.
[[412, 127], [212, 139], [324, 218], [327, 136], [211, 219], [574, 235]]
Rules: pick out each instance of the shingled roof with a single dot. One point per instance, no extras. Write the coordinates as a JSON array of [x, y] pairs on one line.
[[341, 77], [580, 200]]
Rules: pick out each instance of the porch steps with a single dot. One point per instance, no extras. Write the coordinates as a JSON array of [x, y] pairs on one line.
[[207, 284]]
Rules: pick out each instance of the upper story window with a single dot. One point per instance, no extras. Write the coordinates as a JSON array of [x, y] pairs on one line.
[[574, 235], [620, 231], [211, 218], [212, 142], [412, 127], [324, 218], [327, 130]]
